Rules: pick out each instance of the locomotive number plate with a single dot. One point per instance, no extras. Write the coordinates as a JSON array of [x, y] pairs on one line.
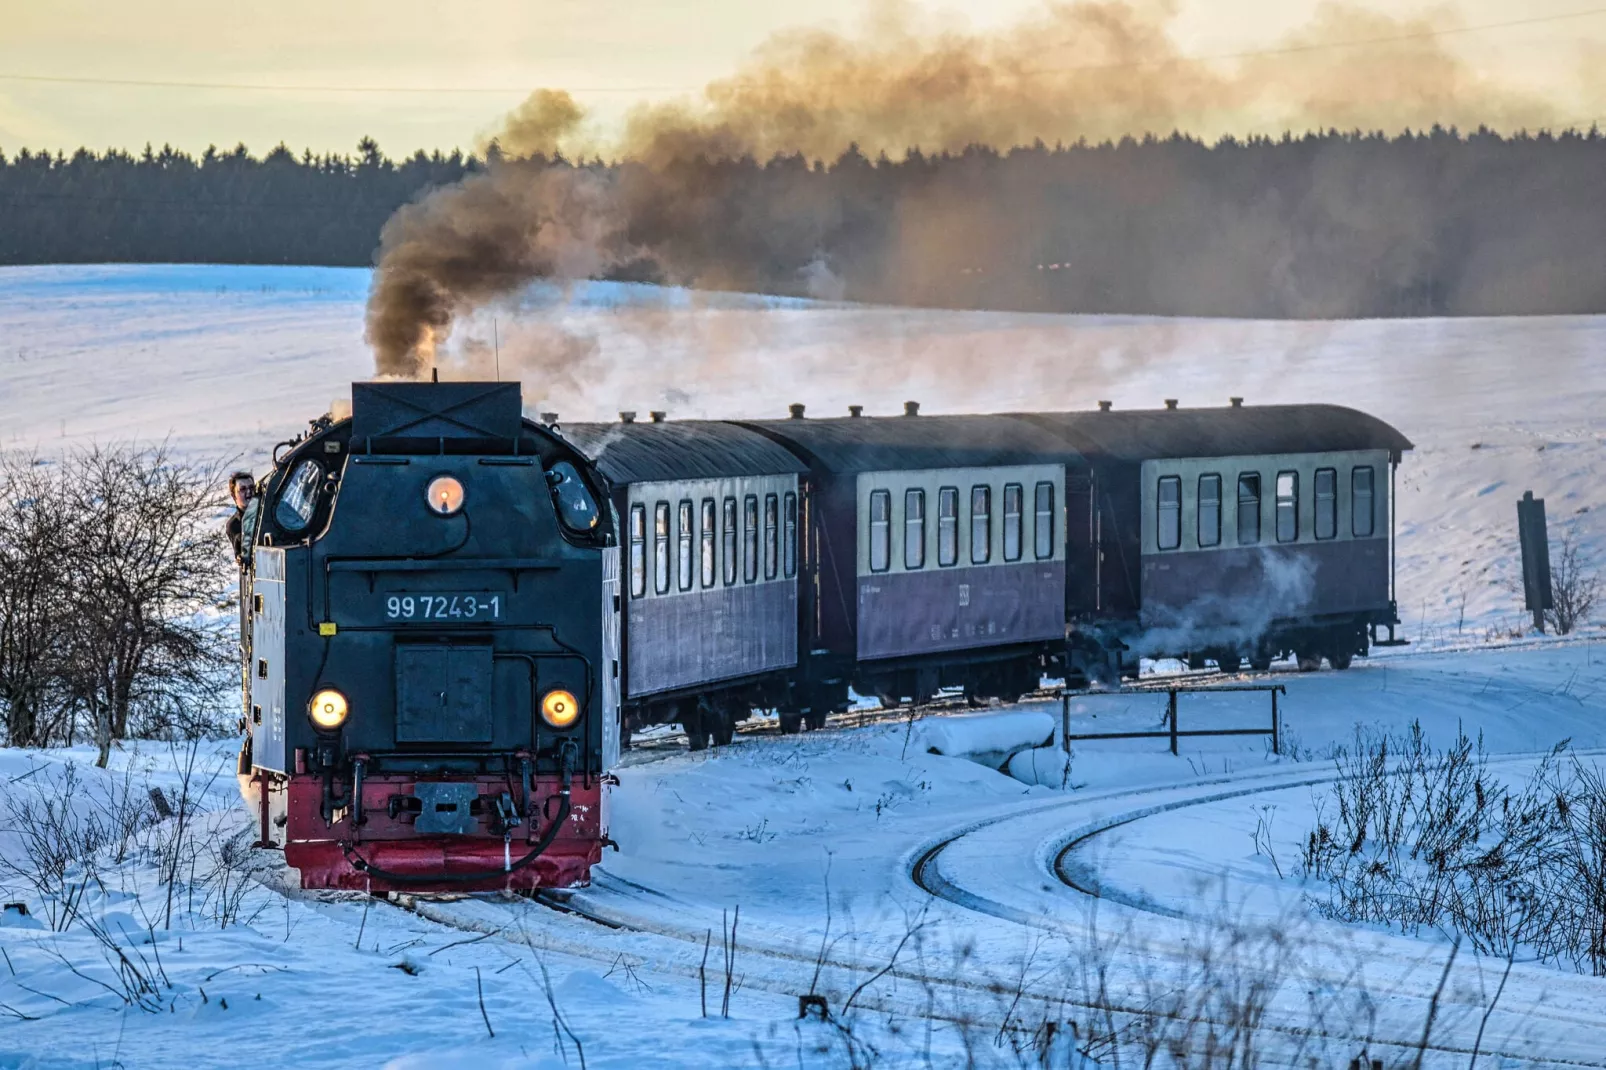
[[448, 606]]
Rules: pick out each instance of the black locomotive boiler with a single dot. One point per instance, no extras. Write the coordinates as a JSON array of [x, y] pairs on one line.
[[430, 629]]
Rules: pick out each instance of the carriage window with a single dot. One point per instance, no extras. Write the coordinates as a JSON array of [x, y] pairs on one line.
[[1362, 518], [683, 538], [771, 535], [880, 530], [1210, 510], [660, 547], [299, 498], [705, 542], [1014, 501], [789, 534], [750, 538], [1287, 506], [914, 529], [638, 550], [1169, 515], [576, 508], [981, 525], [947, 526], [1326, 503], [728, 541], [1043, 521], [1248, 508]]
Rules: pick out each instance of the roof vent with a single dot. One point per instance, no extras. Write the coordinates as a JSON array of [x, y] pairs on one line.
[[1237, 403], [1170, 403], [627, 417], [855, 411], [796, 410], [911, 408], [1104, 406], [549, 418], [658, 416]]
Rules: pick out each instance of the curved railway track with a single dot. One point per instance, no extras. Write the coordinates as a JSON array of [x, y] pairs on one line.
[[1057, 858]]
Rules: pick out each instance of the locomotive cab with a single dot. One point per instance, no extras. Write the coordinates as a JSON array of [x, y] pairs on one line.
[[432, 666]]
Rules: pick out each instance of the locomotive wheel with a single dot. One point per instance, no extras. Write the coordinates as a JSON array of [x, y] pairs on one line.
[[1307, 661], [724, 728], [1229, 662], [815, 719], [791, 724], [1341, 661]]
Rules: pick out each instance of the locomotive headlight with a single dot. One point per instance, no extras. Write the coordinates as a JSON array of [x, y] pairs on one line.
[[445, 495], [559, 709], [328, 709]]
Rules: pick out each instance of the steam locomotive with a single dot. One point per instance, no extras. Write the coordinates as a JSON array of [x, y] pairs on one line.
[[453, 612]]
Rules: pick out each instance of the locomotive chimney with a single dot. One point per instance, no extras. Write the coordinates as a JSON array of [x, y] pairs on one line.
[[1237, 403], [549, 418], [855, 410], [658, 416], [1170, 403], [627, 417], [1104, 406], [911, 408], [796, 410]]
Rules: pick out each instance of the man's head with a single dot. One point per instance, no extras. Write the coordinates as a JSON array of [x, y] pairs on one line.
[[242, 488]]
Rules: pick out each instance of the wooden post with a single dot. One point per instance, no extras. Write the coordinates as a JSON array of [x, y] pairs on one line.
[[1171, 713], [1276, 739], [1065, 721]]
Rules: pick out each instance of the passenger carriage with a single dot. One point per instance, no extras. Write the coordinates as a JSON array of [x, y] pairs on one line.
[[711, 515], [1238, 534], [935, 554]]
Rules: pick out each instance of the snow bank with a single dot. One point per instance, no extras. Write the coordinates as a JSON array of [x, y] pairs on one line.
[[1043, 766], [988, 738]]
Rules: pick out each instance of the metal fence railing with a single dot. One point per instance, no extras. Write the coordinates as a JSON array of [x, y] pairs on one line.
[[1172, 731]]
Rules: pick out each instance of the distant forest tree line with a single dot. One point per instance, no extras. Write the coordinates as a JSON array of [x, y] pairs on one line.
[[1322, 225]]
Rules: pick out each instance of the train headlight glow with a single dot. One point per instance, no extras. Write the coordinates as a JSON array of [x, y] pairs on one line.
[[559, 709], [328, 709], [445, 495]]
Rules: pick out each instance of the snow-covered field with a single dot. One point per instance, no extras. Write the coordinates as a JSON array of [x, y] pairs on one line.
[[958, 910], [230, 359]]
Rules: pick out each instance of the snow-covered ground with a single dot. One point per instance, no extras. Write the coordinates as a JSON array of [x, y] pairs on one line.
[[959, 910]]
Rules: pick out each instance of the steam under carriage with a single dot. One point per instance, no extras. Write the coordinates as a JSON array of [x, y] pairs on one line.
[[454, 613]]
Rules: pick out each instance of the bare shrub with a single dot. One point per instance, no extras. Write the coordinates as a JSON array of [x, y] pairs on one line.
[[1574, 585], [1429, 839]]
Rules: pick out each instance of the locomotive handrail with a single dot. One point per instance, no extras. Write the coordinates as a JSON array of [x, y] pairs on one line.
[[388, 564]]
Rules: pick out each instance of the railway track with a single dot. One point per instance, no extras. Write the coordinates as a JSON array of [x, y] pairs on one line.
[[925, 872]]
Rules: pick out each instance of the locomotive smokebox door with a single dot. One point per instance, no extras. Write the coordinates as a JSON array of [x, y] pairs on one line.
[[443, 693]]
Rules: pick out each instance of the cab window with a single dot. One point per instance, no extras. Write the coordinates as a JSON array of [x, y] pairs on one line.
[[577, 510], [298, 499]]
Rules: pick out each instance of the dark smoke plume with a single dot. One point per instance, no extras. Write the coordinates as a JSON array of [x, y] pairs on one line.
[[688, 204]]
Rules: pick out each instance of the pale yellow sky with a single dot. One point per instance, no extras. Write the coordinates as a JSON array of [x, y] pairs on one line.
[[510, 46]]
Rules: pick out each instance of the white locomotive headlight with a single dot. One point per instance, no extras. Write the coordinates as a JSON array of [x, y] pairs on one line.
[[559, 708], [445, 495], [328, 709]]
